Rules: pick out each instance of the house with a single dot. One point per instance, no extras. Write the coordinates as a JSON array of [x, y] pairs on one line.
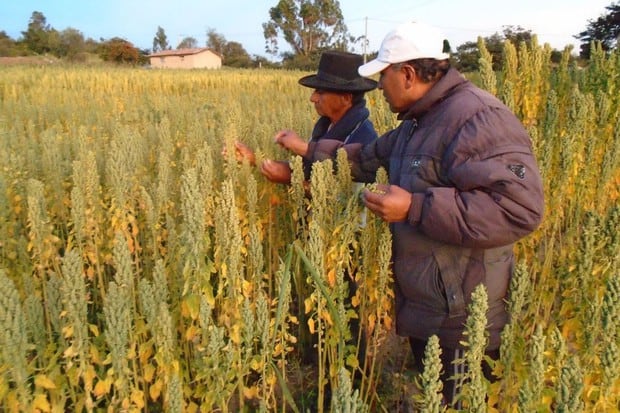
[[197, 58]]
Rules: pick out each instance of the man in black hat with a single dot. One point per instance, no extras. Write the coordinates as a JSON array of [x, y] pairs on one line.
[[338, 98]]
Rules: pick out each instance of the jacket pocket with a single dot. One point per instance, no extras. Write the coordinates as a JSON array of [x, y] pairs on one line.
[[452, 267], [421, 284]]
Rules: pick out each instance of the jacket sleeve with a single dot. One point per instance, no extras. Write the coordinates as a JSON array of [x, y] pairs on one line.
[[365, 159], [496, 197]]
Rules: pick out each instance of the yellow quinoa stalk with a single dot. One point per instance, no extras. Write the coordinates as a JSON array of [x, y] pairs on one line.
[[87, 217], [74, 293], [610, 326], [193, 231], [317, 304], [165, 341], [612, 247], [375, 296], [117, 313], [14, 346], [281, 341], [609, 178], [513, 336], [216, 375], [535, 382], [430, 400], [255, 261], [570, 387], [549, 140], [55, 165], [298, 196], [473, 383], [162, 194], [534, 69], [119, 310], [510, 76], [487, 75], [36, 325], [206, 171], [345, 399], [42, 242]]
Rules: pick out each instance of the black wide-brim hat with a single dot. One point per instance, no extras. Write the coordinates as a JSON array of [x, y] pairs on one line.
[[338, 73]]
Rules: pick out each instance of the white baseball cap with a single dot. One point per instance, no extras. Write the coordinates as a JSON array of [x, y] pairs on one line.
[[406, 42]]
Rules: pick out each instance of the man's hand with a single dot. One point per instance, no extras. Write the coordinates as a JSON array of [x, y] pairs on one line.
[[391, 203], [288, 139], [242, 152], [276, 171]]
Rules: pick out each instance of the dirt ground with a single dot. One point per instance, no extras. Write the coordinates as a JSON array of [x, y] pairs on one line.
[[26, 60]]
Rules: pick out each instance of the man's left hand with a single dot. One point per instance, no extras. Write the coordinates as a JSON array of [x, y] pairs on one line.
[[391, 203]]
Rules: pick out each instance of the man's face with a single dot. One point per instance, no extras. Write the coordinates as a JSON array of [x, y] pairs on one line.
[[391, 82], [330, 104]]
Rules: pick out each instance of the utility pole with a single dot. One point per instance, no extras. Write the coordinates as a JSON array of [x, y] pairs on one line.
[[365, 36]]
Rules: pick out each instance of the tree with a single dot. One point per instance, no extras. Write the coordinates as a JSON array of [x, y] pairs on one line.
[[119, 50], [160, 41], [233, 54], [236, 56], [71, 44], [188, 43], [308, 26], [605, 29], [467, 54], [8, 46], [216, 41], [36, 37]]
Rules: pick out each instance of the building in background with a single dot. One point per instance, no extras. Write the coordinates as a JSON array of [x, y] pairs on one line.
[[198, 58]]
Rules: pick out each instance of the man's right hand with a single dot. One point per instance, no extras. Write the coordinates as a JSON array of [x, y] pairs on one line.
[[242, 151], [290, 140], [278, 172]]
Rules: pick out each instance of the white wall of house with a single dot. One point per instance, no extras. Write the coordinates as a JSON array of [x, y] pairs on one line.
[[205, 59]]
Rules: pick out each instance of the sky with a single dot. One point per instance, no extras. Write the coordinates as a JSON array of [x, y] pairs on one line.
[[553, 21]]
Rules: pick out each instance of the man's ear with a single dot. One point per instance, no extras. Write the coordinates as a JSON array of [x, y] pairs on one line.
[[410, 74]]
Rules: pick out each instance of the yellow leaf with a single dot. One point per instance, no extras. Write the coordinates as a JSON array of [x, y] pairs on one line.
[[40, 403], [94, 354], [331, 277], [311, 326], [192, 408], [247, 288], [250, 392], [137, 397], [155, 389], [89, 377], [69, 352], [190, 306], [67, 331], [256, 364], [352, 361], [94, 329], [149, 373], [102, 387], [308, 304], [43, 381], [191, 332], [145, 352], [235, 334]]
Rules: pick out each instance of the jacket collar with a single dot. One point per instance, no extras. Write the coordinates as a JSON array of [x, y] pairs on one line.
[[442, 89], [343, 128]]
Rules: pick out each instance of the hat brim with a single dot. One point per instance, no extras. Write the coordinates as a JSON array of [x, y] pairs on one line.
[[357, 85], [371, 68]]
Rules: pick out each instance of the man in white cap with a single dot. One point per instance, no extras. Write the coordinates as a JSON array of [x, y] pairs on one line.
[[464, 187]]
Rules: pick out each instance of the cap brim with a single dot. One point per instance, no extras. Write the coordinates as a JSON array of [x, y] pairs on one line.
[[372, 67], [359, 85]]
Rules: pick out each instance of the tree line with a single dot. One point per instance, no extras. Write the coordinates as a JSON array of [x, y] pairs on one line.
[[307, 26]]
